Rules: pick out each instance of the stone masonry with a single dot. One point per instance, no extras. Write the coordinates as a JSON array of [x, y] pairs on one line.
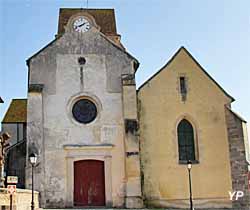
[[237, 159]]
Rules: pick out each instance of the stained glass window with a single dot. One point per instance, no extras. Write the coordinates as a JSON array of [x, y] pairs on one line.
[[84, 111]]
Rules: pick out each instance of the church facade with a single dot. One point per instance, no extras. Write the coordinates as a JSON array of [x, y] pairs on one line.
[[102, 142], [81, 96]]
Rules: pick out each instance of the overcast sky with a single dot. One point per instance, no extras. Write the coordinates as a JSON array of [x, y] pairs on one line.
[[216, 33]]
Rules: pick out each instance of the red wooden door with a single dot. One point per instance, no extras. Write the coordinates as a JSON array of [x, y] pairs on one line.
[[89, 184]]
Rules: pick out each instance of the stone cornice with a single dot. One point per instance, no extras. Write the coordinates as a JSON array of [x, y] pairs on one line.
[[38, 88]]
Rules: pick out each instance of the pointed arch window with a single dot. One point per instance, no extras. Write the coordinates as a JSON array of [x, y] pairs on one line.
[[186, 144]]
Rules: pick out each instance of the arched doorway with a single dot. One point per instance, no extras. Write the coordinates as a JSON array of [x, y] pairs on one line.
[[89, 183]]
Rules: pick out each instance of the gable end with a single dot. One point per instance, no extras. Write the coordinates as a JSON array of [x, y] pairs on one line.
[[196, 62]]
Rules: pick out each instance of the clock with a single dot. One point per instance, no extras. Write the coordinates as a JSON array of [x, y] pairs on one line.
[[81, 25]]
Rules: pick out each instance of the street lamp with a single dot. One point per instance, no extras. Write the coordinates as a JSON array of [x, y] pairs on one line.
[[33, 159], [189, 167]]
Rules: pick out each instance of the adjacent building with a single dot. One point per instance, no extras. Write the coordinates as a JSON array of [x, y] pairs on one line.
[[15, 123]]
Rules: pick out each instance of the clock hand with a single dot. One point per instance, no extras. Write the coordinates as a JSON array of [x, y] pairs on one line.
[[81, 25]]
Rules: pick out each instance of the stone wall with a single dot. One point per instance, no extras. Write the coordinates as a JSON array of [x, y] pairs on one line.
[[238, 159], [132, 160], [21, 200]]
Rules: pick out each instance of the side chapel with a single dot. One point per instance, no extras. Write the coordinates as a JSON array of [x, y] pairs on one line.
[[102, 142]]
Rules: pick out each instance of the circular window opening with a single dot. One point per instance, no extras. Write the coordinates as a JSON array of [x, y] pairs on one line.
[[84, 111]]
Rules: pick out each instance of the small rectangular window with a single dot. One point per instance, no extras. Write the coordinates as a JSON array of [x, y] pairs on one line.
[[183, 86]]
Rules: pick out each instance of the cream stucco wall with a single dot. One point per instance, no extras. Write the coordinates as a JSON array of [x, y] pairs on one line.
[[161, 109]]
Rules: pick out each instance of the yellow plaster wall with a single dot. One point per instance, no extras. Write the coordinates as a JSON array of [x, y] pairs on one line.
[[160, 110]]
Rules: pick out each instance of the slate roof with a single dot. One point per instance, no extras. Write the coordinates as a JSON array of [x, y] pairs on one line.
[[17, 112], [105, 18]]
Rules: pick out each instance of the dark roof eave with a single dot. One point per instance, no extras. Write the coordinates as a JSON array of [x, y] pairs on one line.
[[13, 122]]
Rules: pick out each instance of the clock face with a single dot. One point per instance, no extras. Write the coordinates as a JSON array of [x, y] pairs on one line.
[[81, 25]]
